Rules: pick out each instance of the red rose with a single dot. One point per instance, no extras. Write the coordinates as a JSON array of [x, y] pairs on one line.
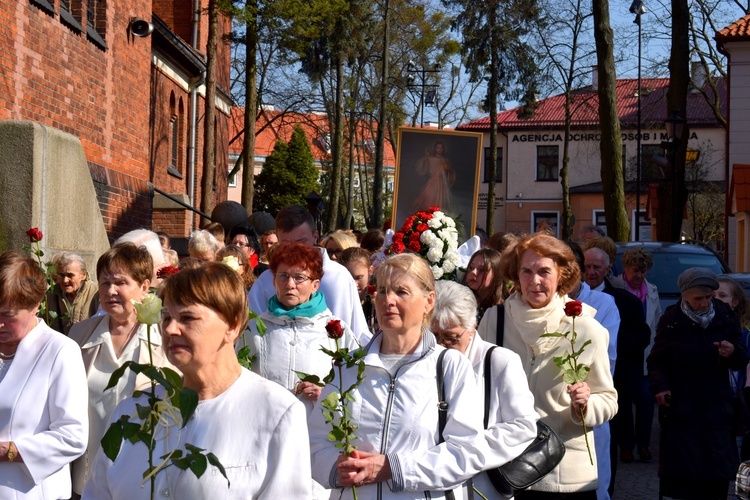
[[428, 217], [434, 208], [371, 289], [398, 247], [166, 272], [34, 234], [422, 227], [414, 237], [334, 329], [573, 308], [414, 246], [397, 236]]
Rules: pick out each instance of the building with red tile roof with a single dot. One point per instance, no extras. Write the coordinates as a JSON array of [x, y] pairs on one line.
[[273, 125], [734, 42], [528, 192]]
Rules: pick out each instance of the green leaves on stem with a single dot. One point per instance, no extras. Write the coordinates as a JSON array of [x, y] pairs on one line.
[[573, 371]]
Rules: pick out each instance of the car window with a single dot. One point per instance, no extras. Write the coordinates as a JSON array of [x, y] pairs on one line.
[[669, 265]]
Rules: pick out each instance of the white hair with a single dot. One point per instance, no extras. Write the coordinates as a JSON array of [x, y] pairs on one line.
[[147, 239], [600, 252], [201, 241], [455, 305]]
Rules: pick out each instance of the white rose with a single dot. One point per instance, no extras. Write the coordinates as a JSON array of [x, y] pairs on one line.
[[448, 266], [434, 254], [444, 234], [427, 237], [437, 243], [434, 223], [449, 222], [438, 215], [452, 245], [437, 272]]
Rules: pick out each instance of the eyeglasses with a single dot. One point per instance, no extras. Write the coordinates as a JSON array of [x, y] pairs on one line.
[[297, 278], [449, 339], [240, 244]]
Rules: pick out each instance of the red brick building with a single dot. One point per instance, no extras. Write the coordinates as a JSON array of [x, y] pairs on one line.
[[76, 65]]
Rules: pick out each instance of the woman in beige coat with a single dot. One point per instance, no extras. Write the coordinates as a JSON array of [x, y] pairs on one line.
[[544, 271], [124, 274]]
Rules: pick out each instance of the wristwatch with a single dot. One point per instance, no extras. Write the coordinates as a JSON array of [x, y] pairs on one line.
[[12, 452]]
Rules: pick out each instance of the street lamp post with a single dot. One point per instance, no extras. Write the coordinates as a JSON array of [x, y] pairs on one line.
[[638, 9], [675, 125], [430, 88]]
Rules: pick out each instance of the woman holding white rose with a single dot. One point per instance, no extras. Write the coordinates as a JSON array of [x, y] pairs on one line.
[[256, 429], [124, 274]]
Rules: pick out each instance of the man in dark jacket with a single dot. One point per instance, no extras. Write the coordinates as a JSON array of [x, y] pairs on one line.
[[632, 338]]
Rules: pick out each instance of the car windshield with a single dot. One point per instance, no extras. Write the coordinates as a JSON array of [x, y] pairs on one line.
[[669, 265]]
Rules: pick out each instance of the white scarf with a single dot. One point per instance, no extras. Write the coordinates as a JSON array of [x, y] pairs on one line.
[[532, 323]]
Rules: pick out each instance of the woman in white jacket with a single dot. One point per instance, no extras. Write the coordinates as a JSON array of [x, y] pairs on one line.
[[544, 270], [399, 453], [511, 423], [43, 421], [296, 319]]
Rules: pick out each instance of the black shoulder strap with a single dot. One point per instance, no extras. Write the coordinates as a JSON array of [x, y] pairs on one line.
[[500, 308], [442, 404], [487, 384], [442, 408]]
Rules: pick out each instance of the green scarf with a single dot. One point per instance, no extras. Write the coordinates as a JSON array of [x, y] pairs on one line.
[[316, 305]]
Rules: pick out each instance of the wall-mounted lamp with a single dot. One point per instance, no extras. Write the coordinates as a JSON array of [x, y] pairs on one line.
[[140, 27]]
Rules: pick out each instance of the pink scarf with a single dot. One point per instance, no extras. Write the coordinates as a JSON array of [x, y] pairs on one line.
[[641, 292]]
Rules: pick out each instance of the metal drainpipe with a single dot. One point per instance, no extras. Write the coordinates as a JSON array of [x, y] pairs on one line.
[[192, 152]]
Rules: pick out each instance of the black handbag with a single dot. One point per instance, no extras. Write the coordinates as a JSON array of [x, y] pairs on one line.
[[536, 461], [539, 458]]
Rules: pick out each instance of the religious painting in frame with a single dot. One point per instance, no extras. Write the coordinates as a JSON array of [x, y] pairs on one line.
[[438, 168]]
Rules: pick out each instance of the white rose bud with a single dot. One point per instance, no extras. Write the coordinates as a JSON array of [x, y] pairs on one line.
[[231, 262], [437, 272], [148, 310]]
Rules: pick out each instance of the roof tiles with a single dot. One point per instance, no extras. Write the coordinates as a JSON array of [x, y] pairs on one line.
[[585, 108]]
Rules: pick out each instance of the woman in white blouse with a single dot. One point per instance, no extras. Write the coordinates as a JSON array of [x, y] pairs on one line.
[[256, 428], [124, 273], [43, 423], [511, 425]]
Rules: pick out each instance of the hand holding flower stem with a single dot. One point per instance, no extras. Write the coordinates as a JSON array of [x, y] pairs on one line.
[[336, 404], [573, 371]]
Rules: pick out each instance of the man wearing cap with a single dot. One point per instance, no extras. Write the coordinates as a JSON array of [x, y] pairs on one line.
[[698, 340]]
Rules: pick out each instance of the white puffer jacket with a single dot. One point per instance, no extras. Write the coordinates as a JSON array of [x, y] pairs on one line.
[[291, 345], [398, 417]]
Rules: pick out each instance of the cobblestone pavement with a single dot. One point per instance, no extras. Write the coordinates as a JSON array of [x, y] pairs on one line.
[[639, 480]]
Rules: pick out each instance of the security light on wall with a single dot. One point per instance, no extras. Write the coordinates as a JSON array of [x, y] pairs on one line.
[[140, 27]]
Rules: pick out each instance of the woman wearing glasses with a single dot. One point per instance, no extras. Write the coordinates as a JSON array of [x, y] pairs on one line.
[[511, 422], [296, 319]]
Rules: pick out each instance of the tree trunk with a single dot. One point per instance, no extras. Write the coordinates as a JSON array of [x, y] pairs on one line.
[[492, 91], [337, 147], [613, 187], [251, 105], [377, 190], [209, 132], [567, 212], [673, 194]]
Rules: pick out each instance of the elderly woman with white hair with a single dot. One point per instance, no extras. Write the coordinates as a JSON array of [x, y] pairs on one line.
[[203, 246], [75, 297], [511, 421]]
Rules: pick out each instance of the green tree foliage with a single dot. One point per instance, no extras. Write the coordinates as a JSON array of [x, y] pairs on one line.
[[495, 36], [288, 175]]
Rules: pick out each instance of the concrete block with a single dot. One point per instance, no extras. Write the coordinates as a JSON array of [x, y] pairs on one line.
[[45, 183]]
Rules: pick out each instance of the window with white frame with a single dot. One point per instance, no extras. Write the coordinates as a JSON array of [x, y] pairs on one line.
[[547, 221], [547, 163]]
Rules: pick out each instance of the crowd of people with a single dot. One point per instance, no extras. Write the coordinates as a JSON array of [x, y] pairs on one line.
[[437, 356]]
